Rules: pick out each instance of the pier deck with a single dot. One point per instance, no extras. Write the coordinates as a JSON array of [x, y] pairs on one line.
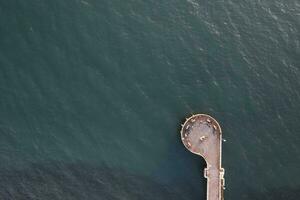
[[202, 135]]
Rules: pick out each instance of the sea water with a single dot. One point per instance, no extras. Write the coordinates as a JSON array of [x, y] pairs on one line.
[[93, 94]]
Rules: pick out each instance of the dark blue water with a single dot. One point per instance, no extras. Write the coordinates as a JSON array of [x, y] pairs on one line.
[[92, 95]]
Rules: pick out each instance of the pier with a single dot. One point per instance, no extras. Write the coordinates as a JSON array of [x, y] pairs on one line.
[[202, 135]]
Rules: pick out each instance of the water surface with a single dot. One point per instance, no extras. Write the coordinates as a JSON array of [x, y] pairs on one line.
[[93, 94]]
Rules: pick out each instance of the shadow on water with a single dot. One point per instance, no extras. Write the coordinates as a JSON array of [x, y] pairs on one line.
[[83, 181]]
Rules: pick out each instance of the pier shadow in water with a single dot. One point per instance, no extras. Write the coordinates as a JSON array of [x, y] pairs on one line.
[[83, 181]]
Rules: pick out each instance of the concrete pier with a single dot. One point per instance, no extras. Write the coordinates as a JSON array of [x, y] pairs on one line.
[[202, 135]]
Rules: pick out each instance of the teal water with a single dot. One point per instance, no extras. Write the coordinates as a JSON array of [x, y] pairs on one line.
[[93, 94]]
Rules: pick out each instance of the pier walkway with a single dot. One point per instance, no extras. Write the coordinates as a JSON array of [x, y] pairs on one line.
[[202, 135]]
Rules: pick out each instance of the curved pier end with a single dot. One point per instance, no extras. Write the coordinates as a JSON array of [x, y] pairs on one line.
[[202, 135]]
